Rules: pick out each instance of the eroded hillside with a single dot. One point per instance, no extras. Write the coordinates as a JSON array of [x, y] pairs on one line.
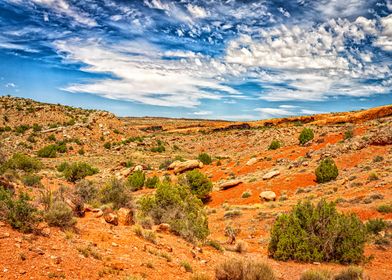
[[244, 164]]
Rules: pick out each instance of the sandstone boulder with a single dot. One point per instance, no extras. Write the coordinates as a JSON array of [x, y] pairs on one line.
[[252, 161], [271, 174], [180, 167], [111, 218], [230, 184], [268, 196]]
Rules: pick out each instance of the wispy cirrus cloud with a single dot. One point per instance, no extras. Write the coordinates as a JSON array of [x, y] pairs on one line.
[[141, 74]]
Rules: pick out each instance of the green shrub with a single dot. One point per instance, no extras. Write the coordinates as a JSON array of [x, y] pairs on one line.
[[22, 162], [22, 128], [158, 149], [81, 152], [375, 225], [238, 269], [316, 274], [199, 184], [306, 135], [37, 128], [178, 207], [384, 208], [115, 193], [76, 170], [326, 171], [136, 180], [187, 266], [52, 137], [31, 180], [152, 182], [86, 190], [205, 158], [60, 215], [317, 233], [378, 159], [351, 273], [107, 145], [19, 213], [275, 144], [49, 151], [348, 134]]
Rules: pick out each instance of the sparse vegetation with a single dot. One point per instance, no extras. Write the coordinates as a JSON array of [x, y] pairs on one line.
[[306, 136], [316, 274], [238, 269], [385, 208], [18, 211], [60, 215], [22, 162], [275, 144], [136, 180], [199, 184], [374, 226], [317, 233], [205, 158], [178, 207], [152, 182], [326, 171], [76, 170], [115, 193], [31, 180]]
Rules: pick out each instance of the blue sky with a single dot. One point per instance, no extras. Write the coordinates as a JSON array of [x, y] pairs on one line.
[[227, 59]]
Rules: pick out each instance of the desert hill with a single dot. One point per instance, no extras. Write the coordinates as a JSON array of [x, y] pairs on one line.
[[109, 242]]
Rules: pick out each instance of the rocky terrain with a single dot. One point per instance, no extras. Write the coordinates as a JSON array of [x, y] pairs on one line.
[[252, 185]]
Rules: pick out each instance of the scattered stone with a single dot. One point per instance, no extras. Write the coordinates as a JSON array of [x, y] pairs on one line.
[[125, 216], [37, 250], [2, 224], [138, 168], [271, 174], [230, 184], [163, 228], [179, 166], [4, 235], [98, 214], [268, 196], [111, 218], [114, 244], [252, 161]]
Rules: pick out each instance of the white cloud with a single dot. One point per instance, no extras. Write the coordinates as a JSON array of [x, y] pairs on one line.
[[142, 75], [342, 8], [284, 12], [313, 63], [63, 8], [197, 11], [266, 113], [10, 85], [384, 41], [202, 113]]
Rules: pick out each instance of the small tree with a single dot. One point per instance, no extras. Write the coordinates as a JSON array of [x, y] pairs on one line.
[[326, 171], [199, 184], [136, 180], [275, 144], [205, 158], [306, 135], [76, 170], [317, 233], [116, 193]]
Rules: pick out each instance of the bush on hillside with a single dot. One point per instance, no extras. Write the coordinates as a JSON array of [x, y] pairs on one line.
[[18, 212], [22, 162], [136, 180], [86, 190], [152, 182], [116, 193], [306, 135], [205, 158], [317, 233], [275, 144], [351, 273], [178, 207], [374, 226], [199, 184], [238, 269], [60, 215], [316, 274], [76, 170], [31, 180], [49, 151], [326, 171]]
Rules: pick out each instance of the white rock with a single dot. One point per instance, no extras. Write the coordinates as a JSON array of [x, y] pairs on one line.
[[268, 196], [252, 161], [271, 174]]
